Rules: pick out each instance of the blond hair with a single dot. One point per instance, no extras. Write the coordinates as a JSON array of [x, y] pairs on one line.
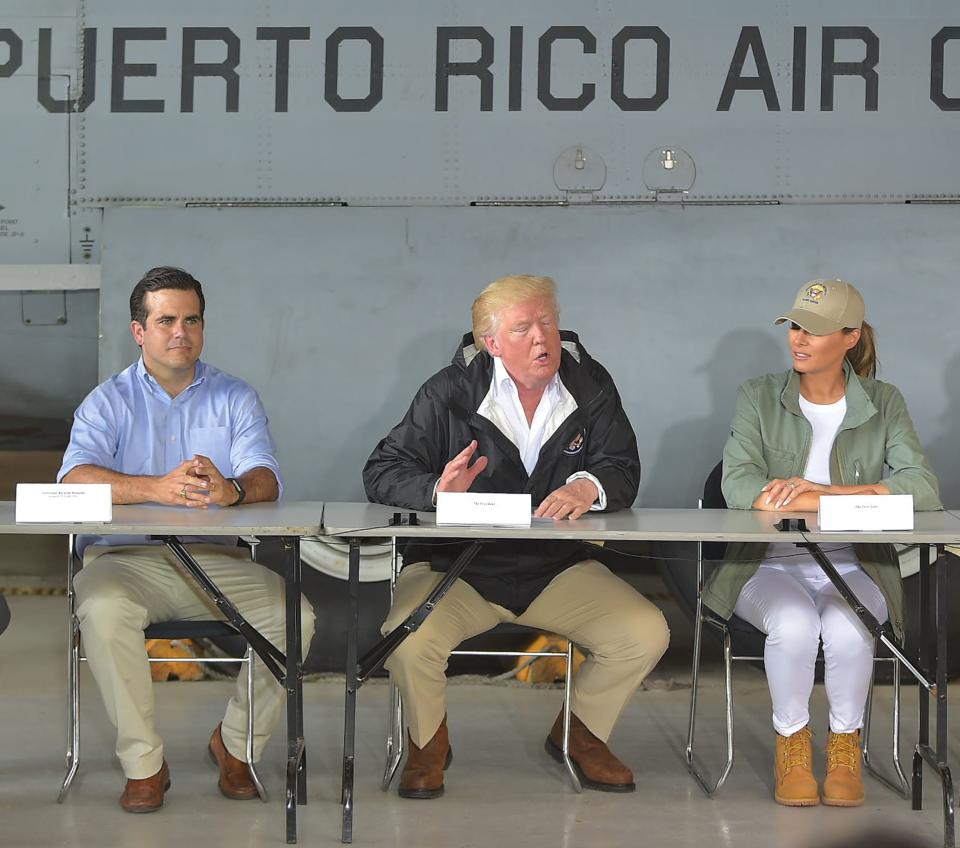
[[863, 355], [504, 293]]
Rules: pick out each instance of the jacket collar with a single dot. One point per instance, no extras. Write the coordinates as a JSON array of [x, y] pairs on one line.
[[859, 406]]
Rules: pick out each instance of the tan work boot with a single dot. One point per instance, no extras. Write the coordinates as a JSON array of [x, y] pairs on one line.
[[422, 775], [796, 786], [843, 785]]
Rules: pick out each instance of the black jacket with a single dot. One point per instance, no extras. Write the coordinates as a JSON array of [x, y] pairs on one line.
[[442, 421]]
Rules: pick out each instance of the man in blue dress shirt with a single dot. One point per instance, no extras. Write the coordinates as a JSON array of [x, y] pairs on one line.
[[171, 429]]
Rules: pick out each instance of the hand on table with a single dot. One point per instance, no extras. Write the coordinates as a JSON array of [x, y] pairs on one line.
[[569, 501]]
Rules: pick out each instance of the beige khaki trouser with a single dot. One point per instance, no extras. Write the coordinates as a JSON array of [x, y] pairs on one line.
[[624, 634], [120, 590]]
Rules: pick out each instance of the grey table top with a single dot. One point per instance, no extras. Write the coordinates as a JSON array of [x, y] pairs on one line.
[[303, 518], [677, 525], [286, 518]]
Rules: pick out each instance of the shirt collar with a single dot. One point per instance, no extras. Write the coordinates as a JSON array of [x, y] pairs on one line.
[[503, 380], [859, 406], [199, 374]]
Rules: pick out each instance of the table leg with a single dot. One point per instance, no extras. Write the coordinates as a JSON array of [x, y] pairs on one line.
[[933, 655], [286, 668], [925, 656], [358, 672], [949, 838], [273, 658], [936, 642], [293, 683], [350, 698], [379, 653]]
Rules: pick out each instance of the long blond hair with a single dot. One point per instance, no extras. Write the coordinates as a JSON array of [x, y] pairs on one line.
[[863, 355]]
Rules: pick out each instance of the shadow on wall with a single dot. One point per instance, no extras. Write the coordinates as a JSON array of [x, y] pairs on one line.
[[413, 364], [942, 451], [690, 448]]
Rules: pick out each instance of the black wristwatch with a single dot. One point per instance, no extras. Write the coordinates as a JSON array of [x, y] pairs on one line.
[[241, 492]]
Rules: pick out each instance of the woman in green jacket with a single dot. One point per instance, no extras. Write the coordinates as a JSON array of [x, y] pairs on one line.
[[824, 427]]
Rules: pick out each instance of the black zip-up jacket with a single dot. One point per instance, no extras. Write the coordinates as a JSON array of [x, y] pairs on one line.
[[443, 419]]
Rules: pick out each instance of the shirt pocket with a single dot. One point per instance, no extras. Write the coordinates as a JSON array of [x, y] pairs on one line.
[[780, 463], [214, 443]]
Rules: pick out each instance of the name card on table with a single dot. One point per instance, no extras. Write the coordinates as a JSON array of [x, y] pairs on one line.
[[865, 512], [501, 510], [63, 502]]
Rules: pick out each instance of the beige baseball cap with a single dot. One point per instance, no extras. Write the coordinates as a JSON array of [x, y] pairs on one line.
[[826, 306]]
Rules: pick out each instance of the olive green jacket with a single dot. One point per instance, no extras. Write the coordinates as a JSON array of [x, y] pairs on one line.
[[770, 438]]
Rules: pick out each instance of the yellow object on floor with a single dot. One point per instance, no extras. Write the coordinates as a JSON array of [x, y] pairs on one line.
[[175, 648], [547, 669]]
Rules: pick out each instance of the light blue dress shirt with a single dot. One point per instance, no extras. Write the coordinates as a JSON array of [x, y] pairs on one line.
[[130, 424]]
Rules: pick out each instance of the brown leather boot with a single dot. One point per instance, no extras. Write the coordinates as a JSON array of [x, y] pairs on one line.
[[594, 763], [793, 771], [843, 785], [146, 795], [422, 775], [235, 781]]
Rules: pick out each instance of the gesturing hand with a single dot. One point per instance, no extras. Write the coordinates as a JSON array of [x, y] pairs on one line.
[[569, 501], [458, 475], [781, 492]]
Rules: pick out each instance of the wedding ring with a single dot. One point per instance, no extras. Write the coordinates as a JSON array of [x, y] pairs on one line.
[[183, 492], [793, 485]]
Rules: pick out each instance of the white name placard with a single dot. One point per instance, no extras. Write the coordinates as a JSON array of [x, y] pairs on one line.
[[502, 510], [865, 512], [63, 502]]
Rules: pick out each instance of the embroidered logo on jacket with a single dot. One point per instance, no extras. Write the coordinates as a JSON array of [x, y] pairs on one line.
[[576, 445]]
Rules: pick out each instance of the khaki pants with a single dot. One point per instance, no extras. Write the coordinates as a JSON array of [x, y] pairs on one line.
[[122, 589], [623, 632]]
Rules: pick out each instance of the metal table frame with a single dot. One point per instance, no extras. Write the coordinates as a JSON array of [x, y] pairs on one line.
[[286, 522], [355, 522]]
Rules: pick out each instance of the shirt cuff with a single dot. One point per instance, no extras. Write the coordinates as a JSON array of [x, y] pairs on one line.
[[434, 496], [601, 502]]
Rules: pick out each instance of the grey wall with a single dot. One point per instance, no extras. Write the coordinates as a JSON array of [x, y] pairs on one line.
[[47, 368], [135, 138], [337, 315]]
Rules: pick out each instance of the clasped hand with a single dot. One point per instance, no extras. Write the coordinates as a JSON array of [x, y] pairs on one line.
[[195, 482], [781, 492]]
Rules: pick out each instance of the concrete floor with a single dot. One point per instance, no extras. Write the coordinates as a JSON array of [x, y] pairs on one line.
[[502, 790]]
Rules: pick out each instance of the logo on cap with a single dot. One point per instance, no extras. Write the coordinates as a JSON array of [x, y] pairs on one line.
[[815, 292]]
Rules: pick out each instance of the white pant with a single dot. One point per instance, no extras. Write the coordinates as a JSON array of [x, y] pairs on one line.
[[120, 590], [797, 613]]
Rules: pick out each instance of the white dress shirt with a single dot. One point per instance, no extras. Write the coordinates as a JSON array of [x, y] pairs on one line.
[[503, 409]]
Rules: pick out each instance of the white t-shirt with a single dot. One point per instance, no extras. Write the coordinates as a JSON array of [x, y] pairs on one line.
[[825, 420]]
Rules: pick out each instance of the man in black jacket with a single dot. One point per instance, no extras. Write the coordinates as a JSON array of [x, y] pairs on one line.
[[522, 408]]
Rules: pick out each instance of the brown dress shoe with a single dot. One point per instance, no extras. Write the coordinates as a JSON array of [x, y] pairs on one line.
[[594, 763], [146, 795], [422, 775], [235, 781]]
